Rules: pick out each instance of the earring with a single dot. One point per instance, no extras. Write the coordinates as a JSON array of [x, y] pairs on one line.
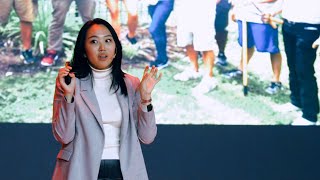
[[84, 55]]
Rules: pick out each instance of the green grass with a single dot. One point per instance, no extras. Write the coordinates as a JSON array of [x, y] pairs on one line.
[[27, 98], [174, 103]]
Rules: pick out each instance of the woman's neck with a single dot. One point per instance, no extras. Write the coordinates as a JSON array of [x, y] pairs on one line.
[[101, 73]]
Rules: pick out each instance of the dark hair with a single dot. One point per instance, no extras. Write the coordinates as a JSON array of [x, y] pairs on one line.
[[80, 63]]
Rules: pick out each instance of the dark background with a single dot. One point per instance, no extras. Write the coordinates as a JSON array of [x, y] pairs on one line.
[[182, 152]]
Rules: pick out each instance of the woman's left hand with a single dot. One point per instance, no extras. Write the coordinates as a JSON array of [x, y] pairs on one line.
[[149, 80]]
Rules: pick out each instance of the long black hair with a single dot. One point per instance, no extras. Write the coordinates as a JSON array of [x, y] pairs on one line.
[[80, 64]]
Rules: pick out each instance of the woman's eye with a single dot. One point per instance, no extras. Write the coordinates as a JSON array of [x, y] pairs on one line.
[[108, 40], [93, 41]]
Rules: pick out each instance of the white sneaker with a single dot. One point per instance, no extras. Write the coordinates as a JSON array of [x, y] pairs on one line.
[[302, 122], [206, 85], [285, 108], [186, 75]]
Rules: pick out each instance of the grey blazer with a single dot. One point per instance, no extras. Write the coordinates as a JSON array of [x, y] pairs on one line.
[[78, 127]]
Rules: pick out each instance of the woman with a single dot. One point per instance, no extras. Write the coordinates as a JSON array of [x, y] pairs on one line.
[[102, 114]]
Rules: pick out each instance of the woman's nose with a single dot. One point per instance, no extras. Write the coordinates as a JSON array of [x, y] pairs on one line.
[[102, 47]]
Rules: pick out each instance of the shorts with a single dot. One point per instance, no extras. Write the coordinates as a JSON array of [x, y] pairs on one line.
[[25, 9], [196, 28], [262, 36]]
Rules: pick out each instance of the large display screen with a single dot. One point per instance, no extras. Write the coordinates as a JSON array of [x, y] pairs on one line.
[[26, 90]]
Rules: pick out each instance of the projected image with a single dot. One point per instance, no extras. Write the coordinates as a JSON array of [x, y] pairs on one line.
[[219, 66]]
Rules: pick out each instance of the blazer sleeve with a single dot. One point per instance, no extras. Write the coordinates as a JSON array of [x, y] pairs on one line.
[[145, 121], [63, 118]]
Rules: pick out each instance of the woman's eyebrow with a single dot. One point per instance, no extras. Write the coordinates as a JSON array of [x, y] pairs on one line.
[[94, 36]]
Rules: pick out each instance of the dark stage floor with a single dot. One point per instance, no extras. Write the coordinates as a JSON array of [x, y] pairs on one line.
[[183, 152]]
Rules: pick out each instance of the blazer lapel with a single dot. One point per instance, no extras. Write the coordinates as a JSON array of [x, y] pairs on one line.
[[89, 97], [124, 105]]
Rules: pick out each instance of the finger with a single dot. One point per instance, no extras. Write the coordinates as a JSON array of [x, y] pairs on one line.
[[273, 24], [67, 65], [155, 72], [72, 75], [62, 82], [64, 70], [152, 72], [145, 70], [65, 73], [62, 73], [68, 68]]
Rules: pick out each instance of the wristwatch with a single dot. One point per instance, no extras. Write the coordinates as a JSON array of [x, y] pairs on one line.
[[149, 107]]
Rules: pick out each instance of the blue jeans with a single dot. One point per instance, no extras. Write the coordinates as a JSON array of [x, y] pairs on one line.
[[222, 16], [298, 38], [159, 14]]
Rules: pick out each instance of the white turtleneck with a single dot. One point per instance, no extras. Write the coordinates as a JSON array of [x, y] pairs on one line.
[[110, 112]]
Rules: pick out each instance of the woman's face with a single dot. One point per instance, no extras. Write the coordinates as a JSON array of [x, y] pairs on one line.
[[100, 46]]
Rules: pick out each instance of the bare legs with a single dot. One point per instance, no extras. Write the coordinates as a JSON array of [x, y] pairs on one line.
[[208, 59], [26, 34], [131, 7]]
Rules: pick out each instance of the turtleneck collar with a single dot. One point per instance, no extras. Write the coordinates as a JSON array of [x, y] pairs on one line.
[[101, 74]]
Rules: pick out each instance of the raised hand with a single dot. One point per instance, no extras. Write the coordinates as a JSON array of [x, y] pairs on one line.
[[68, 89], [149, 80]]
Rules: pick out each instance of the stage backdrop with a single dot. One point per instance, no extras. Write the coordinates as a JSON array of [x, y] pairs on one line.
[[26, 91]]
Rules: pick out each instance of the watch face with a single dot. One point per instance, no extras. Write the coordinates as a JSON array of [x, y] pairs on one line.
[[149, 107]]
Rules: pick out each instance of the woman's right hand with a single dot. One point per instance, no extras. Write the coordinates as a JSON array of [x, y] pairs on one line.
[[233, 15], [68, 89], [316, 43]]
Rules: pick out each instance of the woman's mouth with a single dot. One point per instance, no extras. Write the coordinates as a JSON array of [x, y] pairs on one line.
[[102, 56]]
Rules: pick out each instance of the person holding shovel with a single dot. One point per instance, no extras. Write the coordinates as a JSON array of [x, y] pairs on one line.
[[262, 34]]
